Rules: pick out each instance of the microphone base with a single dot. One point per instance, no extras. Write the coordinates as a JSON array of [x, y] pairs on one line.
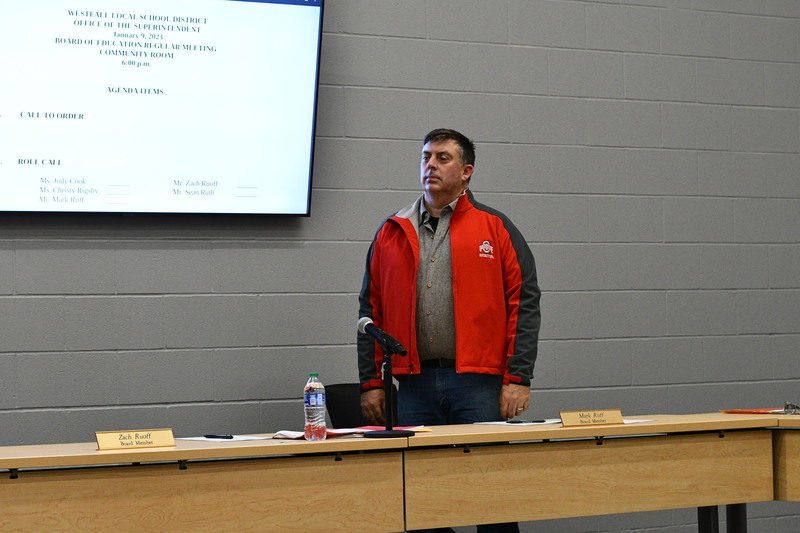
[[388, 433]]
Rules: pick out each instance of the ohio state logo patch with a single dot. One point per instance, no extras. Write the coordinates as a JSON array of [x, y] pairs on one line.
[[486, 250]]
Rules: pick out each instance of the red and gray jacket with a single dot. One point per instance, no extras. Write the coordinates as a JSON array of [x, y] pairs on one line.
[[495, 294]]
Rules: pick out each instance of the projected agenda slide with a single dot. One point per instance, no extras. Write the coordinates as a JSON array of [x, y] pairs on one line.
[[158, 106]]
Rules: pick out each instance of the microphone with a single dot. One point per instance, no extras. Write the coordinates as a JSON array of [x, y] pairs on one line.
[[365, 325]]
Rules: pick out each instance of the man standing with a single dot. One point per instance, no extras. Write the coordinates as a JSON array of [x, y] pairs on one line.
[[454, 281]]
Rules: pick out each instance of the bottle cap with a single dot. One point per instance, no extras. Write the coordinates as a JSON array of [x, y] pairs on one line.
[[312, 374]]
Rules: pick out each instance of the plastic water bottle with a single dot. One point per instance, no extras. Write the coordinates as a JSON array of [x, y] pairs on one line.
[[314, 406]]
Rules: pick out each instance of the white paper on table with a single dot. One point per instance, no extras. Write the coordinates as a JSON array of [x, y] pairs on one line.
[[553, 421], [523, 423], [235, 437]]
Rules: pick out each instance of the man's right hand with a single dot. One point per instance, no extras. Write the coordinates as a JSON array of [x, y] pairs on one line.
[[373, 406]]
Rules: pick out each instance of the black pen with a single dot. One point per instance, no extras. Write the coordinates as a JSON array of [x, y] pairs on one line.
[[218, 436], [540, 421]]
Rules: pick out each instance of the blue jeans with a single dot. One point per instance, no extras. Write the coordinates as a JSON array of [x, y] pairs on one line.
[[440, 396]]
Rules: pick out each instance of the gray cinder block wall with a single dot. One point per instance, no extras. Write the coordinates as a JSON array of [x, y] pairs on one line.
[[649, 150]]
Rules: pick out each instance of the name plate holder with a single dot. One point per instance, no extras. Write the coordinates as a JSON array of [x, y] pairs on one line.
[[603, 417], [140, 438]]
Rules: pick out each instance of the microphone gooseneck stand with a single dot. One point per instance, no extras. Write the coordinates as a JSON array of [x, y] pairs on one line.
[[389, 432]]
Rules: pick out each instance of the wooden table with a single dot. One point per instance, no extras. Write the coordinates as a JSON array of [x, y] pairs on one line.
[[786, 454], [452, 475], [544, 472], [205, 486]]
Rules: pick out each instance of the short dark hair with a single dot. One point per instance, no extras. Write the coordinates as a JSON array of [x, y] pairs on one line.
[[465, 146]]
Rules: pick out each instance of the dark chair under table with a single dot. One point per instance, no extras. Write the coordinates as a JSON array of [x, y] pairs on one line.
[[343, 401]]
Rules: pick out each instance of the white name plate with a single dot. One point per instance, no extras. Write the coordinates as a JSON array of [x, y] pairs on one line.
[[591, 418], [140, 438]]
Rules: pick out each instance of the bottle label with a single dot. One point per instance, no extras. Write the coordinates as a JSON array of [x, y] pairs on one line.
[[315, 399]]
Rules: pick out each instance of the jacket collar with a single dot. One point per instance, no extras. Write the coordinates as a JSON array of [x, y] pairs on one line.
[[412, 211]]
